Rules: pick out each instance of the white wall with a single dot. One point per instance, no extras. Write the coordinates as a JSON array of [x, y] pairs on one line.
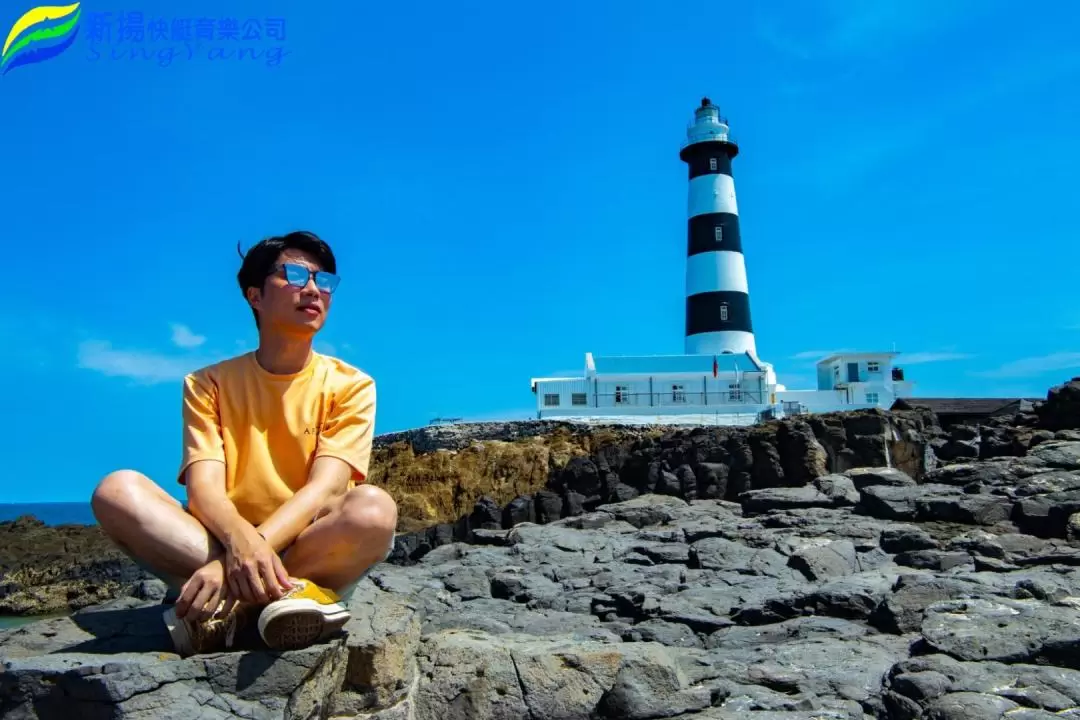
[[831, 400], [698, 392], [701, 395], [696, 419], [883, 375]]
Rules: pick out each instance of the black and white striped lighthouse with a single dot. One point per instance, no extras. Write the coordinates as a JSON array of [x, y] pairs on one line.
[[717, 294]]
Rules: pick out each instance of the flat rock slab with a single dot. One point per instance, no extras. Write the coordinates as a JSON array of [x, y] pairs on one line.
[[252, 684], [921, 681], [470, 674], [1062, 454], [1006, 630], [866, 477]]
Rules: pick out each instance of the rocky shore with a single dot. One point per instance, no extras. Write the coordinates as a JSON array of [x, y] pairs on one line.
[[856, 565]]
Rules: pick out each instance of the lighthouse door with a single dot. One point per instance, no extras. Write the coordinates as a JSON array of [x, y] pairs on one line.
[[853, 372]]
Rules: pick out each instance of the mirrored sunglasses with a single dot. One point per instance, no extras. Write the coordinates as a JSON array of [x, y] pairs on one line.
[[298, 276]]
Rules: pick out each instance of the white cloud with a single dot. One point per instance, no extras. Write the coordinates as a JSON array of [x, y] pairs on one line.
[[1034, 365], [183, 337], [143, 365], [817, 354], [917, 358], [914, 358], [325, 348]]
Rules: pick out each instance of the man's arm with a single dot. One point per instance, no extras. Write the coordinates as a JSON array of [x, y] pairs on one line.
[[202, 470], [210, 504], [341, 458], [252, 569], [329, 479]]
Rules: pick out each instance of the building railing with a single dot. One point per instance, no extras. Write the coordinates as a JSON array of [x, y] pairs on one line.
[[711, 137], [670, 399]]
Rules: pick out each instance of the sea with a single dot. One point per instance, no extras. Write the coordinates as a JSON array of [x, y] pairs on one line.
[[78, 513]]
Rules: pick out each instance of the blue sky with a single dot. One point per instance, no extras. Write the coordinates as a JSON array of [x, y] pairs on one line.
[[502, 186]]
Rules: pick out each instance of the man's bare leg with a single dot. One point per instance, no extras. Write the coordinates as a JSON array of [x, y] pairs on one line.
[[351, 534], [151, 526]]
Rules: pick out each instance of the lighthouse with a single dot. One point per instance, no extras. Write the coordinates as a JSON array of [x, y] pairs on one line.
[[717, 294], [719, 378]]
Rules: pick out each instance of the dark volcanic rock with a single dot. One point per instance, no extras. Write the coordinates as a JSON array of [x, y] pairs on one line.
[[891, 502], [654, 607], [46, 570], [864, 477], [852, 579], [1061, 411]]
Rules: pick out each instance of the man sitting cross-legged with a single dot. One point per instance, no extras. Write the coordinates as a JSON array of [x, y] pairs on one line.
[[279, 523]]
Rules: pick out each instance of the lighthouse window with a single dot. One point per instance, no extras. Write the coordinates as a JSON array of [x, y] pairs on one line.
[[712, 163], [578, 399], [871, 398], [873, 367], [719, 234], [734, 392], [622, 394], [551, 399], [678, 393], [723, 313]]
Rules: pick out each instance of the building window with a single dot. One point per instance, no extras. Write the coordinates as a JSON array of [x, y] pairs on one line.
[[579, 399], [734, 392], [871, 398], [712, 163], [873, 366], [678, 393], [551, 399], [719, 234], [622, 394], [723, 313]]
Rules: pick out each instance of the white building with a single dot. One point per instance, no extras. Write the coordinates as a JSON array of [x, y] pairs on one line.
[[720, 380], [726, 389], [848, 381]]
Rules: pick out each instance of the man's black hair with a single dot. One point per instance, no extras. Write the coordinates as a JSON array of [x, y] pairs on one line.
[[261, 257]]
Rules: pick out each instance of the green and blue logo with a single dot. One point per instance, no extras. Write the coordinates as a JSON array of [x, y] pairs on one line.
[[41, 33]]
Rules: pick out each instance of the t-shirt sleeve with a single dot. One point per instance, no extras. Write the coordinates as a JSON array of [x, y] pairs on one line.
[[202, 423], [349, 427]]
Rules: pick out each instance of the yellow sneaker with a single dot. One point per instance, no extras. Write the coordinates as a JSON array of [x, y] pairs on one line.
[[215, 634], [306, 615]]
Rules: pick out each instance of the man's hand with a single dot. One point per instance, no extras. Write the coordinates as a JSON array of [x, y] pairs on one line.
[[203, 592], [253, 570]]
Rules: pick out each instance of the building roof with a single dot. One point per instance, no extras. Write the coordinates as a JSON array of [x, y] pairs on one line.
[[837, 356], [962, 406], [674, 364]]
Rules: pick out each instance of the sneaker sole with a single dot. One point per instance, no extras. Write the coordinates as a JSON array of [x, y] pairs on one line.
[[179, 633], [300, 624]]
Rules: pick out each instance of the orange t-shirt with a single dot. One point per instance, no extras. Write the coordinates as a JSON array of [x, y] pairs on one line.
[[268, 429]]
